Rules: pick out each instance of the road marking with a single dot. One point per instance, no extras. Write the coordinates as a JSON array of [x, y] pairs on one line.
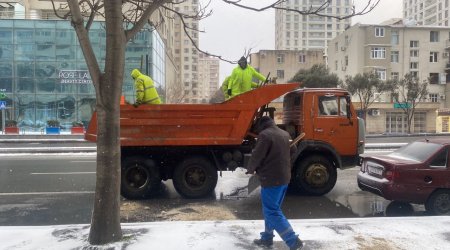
[[56, 173], [55, 148], [48, 193]]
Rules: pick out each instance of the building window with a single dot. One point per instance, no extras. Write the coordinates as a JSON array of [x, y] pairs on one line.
[[433, 97], [394, 56], [394, 76], [434, 78], [378, 53], [414, 65], [280, 74], [420, 119], [394, 37], [434, 36], [302, 58], [346, 60], [433, 56], [280, 58], [381, 73], [414, 44], [414, 74], [379, 32], [414, 53]]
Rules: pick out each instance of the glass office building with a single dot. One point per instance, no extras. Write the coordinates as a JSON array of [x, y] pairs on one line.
[[45, 77]]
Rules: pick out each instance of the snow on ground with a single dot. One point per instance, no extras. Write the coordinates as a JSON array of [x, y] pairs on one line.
[[360, 233]]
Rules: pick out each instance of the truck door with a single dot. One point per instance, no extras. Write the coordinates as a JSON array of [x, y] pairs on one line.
[[332, 125]]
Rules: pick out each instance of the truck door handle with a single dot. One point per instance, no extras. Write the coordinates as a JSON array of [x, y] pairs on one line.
[[318, 130], [428, 179]]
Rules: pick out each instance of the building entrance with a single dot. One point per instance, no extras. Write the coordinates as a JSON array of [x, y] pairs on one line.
[[396, 123]]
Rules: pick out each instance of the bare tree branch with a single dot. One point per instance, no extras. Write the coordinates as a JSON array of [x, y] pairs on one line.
[[83, 37], [186, 29], [143, 19], [371, 4]]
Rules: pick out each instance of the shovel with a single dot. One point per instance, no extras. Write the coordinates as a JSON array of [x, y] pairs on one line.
[[253, 181]]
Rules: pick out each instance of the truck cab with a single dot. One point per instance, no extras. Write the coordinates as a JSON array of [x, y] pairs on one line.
[[334, 136]]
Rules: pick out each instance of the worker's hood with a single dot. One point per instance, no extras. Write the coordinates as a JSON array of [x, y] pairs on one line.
[[263, 123], [242, 63], [135, 73]]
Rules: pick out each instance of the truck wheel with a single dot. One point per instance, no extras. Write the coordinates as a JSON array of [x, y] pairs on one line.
[[140, 178], [314, 175], [439, 202], [195, 177]]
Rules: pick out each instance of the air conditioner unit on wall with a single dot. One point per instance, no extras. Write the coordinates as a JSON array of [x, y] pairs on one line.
[[445, 55], [442, 96], [374, 112]]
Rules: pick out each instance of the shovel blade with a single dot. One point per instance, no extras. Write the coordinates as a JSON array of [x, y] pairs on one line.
[[253, 184]]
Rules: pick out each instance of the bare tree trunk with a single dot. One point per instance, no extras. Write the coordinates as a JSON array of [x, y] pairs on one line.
[[105, 224]]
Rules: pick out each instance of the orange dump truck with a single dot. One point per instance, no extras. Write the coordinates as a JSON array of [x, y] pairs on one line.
[[190, 143]]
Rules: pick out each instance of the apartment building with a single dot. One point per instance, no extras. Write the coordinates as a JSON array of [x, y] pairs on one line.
[[393, 51], [186, 55], [303, 32], [284, 64], [208, 74], [427, 12]]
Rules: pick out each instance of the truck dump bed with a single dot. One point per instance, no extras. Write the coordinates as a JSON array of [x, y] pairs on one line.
[[224, 123]]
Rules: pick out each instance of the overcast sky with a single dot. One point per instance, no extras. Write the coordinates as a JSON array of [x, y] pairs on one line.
[[230, 30]]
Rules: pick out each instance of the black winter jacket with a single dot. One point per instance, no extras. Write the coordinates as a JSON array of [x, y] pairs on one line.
[[271, 157]]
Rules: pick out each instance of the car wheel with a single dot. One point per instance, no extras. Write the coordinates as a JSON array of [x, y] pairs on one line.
[[195, 177], [140, 178], [439, 202], [398, 208], [314, 175]]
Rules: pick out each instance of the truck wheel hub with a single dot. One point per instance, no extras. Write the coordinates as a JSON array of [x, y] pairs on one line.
[[317, 175], [137, 177], [195, 177]]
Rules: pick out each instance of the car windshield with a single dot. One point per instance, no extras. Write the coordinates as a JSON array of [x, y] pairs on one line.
[[419, 151]]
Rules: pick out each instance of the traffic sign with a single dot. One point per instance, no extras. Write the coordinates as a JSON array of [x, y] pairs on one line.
[[2, 105], [2, 95]]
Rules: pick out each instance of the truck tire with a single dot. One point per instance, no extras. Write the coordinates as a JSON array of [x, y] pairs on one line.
[[314, 175], [140, 178], [439, 202], [195, 177]]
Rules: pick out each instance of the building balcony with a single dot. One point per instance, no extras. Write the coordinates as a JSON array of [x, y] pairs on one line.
[[447, 44]]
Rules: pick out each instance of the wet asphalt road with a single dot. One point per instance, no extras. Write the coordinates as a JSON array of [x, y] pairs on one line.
[[59, 189], [47, 190]]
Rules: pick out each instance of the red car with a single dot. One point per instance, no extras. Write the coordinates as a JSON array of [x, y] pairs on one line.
[[416, 173]]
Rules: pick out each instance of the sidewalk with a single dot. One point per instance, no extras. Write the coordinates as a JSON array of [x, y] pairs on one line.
[[407, 233], [66, 143]]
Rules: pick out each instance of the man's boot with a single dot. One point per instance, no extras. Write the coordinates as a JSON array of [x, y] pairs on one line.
[[298, 245], [263, 243]]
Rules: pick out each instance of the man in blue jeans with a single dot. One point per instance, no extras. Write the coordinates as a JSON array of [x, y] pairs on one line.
[[271, 160]]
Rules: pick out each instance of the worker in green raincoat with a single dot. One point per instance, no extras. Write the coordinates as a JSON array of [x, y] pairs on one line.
[[145, 89], [240, 80]]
